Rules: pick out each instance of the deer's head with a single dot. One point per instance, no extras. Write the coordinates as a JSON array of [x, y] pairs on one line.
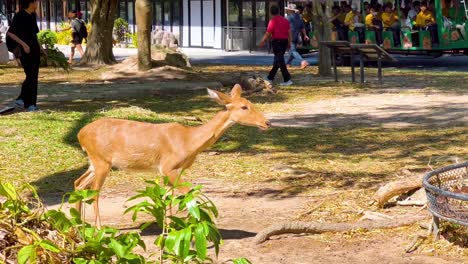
[[241, 110]]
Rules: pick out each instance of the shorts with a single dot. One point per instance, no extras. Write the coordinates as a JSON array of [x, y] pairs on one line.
[[76, 39]]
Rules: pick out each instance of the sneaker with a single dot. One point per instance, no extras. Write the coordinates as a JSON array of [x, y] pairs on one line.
[[267, 80], [286, 83], [32, 108], [304, 64], [19, 103]]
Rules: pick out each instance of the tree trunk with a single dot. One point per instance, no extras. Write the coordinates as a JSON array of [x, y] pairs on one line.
[[143, 19], [323, 30], [99, 47]]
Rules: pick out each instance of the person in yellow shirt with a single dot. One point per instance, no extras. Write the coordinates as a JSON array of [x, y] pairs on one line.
[[374, 24], [390, 22], [425, 20], [352, 21]]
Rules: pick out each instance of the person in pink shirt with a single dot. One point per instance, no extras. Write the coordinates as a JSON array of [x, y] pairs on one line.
[[279, 31]]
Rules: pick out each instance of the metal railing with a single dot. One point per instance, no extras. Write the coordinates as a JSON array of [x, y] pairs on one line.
[[243, 38]]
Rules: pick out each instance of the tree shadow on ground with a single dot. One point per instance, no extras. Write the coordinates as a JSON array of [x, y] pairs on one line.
[[52, 187], [326, 142]]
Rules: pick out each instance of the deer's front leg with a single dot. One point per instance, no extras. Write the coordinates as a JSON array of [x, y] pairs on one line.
[[175, 179]]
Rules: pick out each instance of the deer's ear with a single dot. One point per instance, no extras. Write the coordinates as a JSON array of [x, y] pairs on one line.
[[219, 97], [236, 91]]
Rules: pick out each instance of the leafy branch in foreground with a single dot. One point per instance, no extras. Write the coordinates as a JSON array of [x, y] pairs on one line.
[[186, 221], [29, 234]]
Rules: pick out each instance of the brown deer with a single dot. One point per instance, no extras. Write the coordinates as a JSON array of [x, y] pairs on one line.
[[167, 148]]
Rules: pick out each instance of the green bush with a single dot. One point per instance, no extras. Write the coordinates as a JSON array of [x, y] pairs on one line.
[[121, 30], [55, 58], [34, 235], [64, 37], [134, 38], [47, 38], [188, 229]]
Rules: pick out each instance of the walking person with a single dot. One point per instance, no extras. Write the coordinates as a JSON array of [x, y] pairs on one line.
[[23, 34], [78, 28], [297, 28], [279, 31]]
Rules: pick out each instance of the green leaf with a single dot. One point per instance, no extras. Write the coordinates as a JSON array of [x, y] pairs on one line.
[[118, 248], [160, 241], [145, 225], [59, 220], [177, 222], [8, 190], [241, 261], [185, 242], [27, 253], [193, 209], [200, 241], [171, 240], [86, 196], [48, 245], [214, 236], [80, 261]]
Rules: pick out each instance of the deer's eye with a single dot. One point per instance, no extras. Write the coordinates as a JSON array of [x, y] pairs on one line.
[[244, 107]]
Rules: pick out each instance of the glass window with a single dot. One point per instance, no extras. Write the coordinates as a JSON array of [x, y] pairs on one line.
[[53, 12], [260, 19], [234, 13], [131, 19], [158, 18], [123, 10], [176, 13], [247, 14], [176, 19], [58, 7], [83, 9], [167, 15]]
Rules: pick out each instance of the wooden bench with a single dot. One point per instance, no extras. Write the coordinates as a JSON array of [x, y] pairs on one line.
[[366, 52]]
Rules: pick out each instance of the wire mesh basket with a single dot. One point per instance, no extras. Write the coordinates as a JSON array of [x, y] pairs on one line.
[[447, 193]]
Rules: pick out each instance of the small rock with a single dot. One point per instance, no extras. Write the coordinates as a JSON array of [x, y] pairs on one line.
[[213, 153]]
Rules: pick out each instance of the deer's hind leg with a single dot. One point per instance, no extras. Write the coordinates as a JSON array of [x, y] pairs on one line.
[[102, 169], [84, 182]]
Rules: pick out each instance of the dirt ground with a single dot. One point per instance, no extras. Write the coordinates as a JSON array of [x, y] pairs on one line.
[[247, 209], [244, 213]]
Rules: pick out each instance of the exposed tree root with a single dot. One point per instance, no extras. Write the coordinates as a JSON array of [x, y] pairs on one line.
[[317, 228], [395, 188], [419, 239]]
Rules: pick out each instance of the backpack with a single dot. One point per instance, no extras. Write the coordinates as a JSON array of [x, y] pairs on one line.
[[83, 32], [11, 44]]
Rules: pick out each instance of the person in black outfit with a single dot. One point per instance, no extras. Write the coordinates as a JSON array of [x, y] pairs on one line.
[[279, 31], [23, 31], [341, 28]]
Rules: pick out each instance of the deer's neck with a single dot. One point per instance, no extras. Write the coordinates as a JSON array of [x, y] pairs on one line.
[[204, 136]]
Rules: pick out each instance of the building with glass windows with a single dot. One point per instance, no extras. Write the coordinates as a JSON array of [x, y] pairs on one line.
[[228, 24]]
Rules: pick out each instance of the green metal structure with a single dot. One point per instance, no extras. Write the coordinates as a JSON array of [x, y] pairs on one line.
[[450, 39]]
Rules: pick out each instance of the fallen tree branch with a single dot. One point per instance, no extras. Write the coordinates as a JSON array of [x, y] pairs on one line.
[[313, 209], [317, 228], [411, 203], [395, 188]]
